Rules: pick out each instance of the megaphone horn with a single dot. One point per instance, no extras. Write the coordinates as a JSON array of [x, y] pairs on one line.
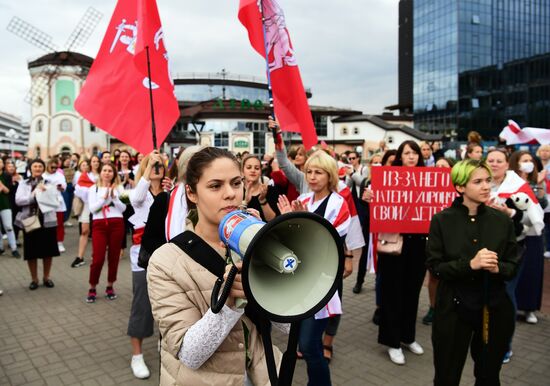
[[291, 265]]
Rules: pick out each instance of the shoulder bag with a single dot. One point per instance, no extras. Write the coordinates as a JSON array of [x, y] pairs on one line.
[[389, 243]]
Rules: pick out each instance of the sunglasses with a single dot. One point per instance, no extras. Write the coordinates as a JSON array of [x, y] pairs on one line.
[[352, 158]]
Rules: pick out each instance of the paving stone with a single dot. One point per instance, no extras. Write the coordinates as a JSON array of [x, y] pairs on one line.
[[51, 336]]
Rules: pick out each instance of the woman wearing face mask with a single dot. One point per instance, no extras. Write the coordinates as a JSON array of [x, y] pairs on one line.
[[401, 278], [529, 286], [40, 243]]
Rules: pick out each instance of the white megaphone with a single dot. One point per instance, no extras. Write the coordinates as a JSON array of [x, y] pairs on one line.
[[291, 265]]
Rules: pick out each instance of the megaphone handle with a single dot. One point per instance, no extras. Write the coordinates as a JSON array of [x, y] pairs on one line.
[[217, 303], [288, 363]]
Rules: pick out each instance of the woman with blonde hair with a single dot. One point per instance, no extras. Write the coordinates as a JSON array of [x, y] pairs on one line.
[[107, 228], [323, 199]]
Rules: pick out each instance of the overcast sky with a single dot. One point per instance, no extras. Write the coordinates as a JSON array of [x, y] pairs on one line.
[[346, 49]]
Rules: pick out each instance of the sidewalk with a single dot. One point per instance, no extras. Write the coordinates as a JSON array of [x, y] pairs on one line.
[[52, 337]]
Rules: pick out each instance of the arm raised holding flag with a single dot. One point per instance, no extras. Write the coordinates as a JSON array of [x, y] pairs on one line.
[[265, 22]]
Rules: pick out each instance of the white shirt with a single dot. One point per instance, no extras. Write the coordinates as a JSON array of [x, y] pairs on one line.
[[102, 207]]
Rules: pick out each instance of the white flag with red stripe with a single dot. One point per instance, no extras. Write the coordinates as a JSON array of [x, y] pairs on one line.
[[513, 184], [513, 134], [354, 238]]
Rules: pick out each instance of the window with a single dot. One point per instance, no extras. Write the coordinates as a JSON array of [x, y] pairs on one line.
[[93, 129], [475, 19], [39, 125], [38, 152], [356, 130], [66, 101], [344, 131], [95, 150], [65, 125], [390, 139]]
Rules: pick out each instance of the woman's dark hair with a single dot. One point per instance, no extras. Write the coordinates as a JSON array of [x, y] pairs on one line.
[[37, 160], [200, 161], [450, 161], [249, 157], [387, 155], [470, 148], [414, 146], [119, 164], [501, 151]]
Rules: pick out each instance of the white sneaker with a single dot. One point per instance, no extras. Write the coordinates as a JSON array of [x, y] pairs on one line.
[[61, 247], [396, 356], [139, 368], [531, 318], [4, 237], [68, 224], [547, 254], [1, 292], [414, 347]]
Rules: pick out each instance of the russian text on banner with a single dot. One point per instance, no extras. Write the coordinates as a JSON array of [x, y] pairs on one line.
[[115, 96], [289, 97], [406, 198]]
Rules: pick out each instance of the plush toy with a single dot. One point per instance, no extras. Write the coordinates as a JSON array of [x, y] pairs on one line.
[[521, 200], [532, 210]]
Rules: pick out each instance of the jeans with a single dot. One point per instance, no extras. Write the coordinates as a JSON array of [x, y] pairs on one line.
[[6, 217], [68, 195], [311, 347]]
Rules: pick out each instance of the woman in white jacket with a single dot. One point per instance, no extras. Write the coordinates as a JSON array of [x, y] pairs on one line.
[[140, 325], [56, 177], [86, 177], [107, 229], [40, 243]]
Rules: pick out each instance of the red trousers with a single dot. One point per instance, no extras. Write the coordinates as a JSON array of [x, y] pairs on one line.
[[106, 233], [60, 226]]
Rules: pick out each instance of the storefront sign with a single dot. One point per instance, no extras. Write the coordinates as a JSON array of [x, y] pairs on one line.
[[234, 104], [406, 198]]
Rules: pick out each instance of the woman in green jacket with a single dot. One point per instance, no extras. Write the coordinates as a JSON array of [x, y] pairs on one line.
[[472, 251]]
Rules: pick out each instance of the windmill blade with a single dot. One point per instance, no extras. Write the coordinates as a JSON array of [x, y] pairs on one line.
[[41, 84], [84, 28], [31, 34]]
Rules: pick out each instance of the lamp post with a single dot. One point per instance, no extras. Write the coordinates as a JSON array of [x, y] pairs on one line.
[[12, 135]]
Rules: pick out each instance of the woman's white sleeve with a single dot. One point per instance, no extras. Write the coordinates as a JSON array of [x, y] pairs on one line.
[[205, 336]]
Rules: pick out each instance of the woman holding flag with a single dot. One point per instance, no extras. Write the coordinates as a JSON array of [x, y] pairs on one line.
[[530, 277], [472, 251]]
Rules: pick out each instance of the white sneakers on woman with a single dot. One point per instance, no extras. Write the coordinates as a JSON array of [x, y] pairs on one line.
[[397, 356], [139, 368], [531, 318]]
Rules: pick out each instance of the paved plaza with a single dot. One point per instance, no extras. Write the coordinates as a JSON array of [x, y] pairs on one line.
[[52, 337]]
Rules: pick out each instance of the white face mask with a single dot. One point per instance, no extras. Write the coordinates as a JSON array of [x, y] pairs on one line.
[[376, 164], [527, 167]]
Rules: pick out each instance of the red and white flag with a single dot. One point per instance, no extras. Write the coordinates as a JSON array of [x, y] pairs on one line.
[[289, 97], [115, 96], [512, 187], [513, 134], [354, 238]]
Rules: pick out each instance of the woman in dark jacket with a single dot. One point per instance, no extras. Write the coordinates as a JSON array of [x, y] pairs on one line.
[[401, 278], [472, 251]]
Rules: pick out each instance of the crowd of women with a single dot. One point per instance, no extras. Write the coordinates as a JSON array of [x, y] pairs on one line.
[[120, 194]]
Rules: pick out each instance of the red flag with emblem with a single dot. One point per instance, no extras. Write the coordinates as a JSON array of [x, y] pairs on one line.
[[115, 96], [289, 97]]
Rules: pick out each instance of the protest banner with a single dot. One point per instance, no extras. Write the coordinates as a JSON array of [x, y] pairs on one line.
[[406, 198]]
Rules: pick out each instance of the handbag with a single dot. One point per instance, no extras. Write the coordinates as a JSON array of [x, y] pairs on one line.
[[31, 223], [78, 206], [389, 243]]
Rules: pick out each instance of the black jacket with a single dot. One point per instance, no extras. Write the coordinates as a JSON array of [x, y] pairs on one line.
[[455, 238]]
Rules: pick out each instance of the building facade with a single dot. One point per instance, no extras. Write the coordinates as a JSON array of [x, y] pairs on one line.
[[14, 135], [56, 127], [478, 63]]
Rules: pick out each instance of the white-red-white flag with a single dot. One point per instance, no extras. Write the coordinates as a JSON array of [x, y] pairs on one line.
[[513, 134]]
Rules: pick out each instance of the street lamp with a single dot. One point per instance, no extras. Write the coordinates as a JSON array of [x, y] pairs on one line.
[[12, 135]]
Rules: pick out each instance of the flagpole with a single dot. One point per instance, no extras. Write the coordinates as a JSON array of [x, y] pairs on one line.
[[269, 89], [153, 127]]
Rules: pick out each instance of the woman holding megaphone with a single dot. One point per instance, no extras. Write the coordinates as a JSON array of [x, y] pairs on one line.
[[198, 346]]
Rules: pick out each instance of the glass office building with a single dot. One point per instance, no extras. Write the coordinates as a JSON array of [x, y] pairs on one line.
[[479, 63]]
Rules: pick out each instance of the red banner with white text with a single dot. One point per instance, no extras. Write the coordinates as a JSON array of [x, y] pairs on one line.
[[406, 198]]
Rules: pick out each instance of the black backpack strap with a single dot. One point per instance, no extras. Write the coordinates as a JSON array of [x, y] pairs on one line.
[[199, 250]]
